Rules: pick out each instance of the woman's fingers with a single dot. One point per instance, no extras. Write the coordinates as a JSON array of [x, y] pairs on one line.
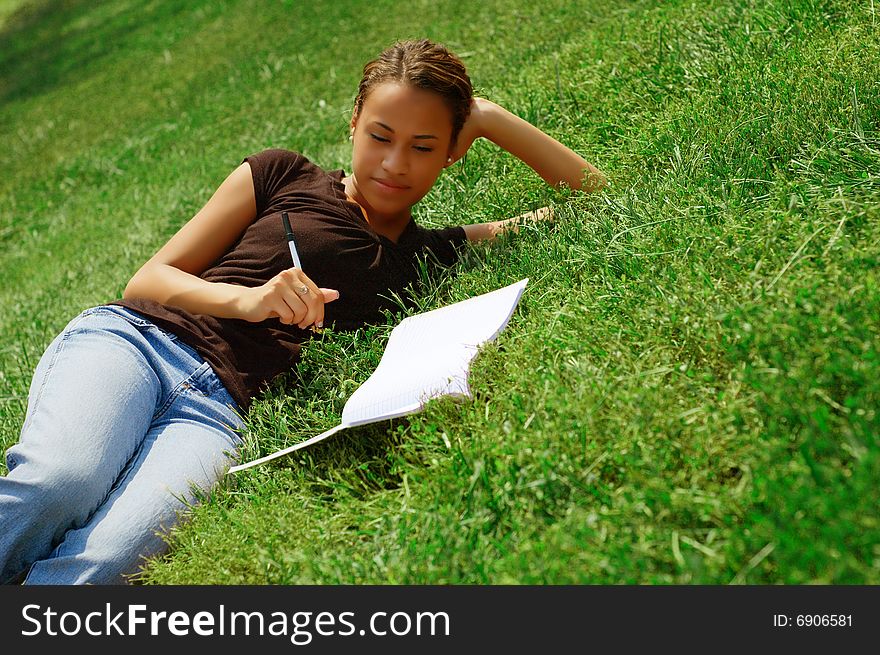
[[314, 311], [315, 315], [282, 311], [312, 297], [290, 296], [544, 214], [289, 307], [305, 299], [305, 307]]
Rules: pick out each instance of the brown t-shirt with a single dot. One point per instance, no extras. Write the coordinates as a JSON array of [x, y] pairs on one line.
[[338, 250]]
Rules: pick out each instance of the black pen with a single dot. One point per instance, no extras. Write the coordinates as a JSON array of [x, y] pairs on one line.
[[290, 241]]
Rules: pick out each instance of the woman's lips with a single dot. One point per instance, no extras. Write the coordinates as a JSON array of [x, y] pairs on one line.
[[388, 186]]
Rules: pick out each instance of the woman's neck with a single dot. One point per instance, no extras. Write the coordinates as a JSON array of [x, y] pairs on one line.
[[390, 226]]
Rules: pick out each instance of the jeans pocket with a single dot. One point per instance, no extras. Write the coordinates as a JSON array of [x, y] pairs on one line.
[[188, 385], [203, 393]]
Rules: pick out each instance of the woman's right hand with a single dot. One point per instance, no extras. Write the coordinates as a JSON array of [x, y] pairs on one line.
[[290, 296], [472, 129]]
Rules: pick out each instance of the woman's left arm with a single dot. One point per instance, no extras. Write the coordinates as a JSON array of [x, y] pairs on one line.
[[553, 161], [490, 230], [550, 159]]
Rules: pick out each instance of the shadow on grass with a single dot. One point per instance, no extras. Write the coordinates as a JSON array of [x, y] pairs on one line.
[[46, 43], [357, 462]]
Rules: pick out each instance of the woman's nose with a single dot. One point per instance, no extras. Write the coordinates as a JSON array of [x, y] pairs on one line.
[[396, 161]]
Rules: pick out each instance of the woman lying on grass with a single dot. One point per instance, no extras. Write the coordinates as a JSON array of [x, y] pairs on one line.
[[136, 405]]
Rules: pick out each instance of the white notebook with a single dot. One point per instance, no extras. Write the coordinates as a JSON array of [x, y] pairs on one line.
[[427, 356]]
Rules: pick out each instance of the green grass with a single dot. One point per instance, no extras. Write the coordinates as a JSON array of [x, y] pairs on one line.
[[689, 390]]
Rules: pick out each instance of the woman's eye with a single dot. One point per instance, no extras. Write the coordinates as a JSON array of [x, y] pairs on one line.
[[424, 149], [379, 138]]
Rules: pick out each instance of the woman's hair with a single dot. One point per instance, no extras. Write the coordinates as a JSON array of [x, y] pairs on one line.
[[424, 65]]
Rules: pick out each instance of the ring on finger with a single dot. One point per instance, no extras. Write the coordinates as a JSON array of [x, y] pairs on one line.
[[302, 290]]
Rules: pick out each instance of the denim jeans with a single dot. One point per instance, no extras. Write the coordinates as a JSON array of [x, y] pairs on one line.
[[126, 427]]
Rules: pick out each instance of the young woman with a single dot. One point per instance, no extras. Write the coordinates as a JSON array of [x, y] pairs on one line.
[[136, 406]]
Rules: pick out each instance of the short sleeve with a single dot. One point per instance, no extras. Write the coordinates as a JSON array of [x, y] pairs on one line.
[[272, 170], [443, 245]]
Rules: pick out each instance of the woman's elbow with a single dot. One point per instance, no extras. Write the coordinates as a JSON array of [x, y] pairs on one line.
[[137, 286], [130, 288]]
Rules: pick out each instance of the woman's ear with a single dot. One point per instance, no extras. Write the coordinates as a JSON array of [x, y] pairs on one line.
[[450, 156]]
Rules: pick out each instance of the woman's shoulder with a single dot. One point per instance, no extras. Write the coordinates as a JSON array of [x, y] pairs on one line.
[[279, 171], [283, 158], [277, 155]]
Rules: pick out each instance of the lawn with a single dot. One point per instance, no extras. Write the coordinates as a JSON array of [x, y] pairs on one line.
[[688, 392]]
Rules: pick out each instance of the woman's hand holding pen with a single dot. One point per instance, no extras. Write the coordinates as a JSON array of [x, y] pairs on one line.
[[290, 297]]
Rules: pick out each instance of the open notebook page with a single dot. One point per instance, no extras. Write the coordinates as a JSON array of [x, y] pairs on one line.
[[427, 356]]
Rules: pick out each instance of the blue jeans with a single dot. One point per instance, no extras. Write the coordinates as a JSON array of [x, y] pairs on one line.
[[126, 427]]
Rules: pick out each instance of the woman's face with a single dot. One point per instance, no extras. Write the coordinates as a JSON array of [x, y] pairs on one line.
[[401, 142]]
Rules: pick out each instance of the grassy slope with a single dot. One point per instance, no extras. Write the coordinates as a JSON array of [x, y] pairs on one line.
[[688, 392]]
